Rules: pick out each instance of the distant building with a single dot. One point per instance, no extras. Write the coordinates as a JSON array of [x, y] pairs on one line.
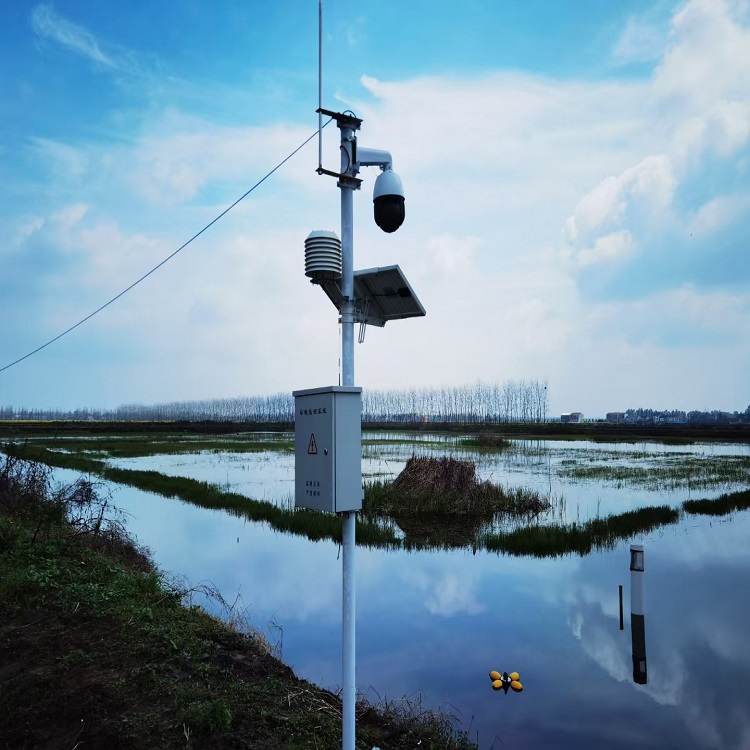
[[573, 416], [616, 417]]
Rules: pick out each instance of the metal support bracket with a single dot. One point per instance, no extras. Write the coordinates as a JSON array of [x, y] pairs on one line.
[[344, 180], [343, 119]]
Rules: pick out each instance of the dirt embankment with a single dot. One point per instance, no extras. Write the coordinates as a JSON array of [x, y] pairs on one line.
[[98, 649], [544, 431]]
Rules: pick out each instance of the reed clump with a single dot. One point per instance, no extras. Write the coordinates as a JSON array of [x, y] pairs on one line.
[[447, 487], [720, 506], [488, 440], [599, 533]]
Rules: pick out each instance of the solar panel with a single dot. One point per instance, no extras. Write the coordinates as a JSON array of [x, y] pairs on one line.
[[380, 295], [383, 294]]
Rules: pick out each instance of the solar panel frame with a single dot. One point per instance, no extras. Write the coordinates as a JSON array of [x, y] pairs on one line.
[[382, 294]]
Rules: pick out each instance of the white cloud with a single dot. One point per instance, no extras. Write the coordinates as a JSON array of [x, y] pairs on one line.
[[683, 317], [707, 59], [643, 192], [717, 213], [610, 247], [450, 257], [64, 160], [48, 24], [641, 40], [719, 130]]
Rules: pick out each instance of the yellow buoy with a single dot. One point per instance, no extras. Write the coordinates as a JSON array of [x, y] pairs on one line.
[[516, 685], [497, 684], [514, 676], [494, 675]]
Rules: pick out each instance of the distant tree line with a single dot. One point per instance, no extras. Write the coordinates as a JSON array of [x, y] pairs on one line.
[[675, 416], [513, 401]]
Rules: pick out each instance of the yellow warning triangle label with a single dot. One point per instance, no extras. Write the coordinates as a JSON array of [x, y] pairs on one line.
[[312, 448]]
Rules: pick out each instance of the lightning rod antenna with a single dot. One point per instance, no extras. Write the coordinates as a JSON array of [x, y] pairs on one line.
[[320, 84]]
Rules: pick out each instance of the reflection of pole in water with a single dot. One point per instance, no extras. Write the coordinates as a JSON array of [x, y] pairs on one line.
[[637, 615]]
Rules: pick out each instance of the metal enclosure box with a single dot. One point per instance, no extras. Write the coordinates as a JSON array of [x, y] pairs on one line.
[[328, 448]]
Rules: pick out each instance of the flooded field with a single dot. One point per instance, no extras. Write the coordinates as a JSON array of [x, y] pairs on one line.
[[432, 623], [583, 480]]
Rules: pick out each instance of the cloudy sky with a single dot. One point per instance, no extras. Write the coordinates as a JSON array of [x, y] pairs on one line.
[[577, 183]]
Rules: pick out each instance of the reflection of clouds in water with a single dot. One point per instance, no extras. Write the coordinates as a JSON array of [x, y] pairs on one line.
[[611, 649], [586, 592], [725, 639], [285, 575], [447, 593], [693, 541], [266, 475], [696, 621], [599, 645]]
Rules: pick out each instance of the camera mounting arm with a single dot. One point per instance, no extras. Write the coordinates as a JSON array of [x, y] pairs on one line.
[[374, 157]]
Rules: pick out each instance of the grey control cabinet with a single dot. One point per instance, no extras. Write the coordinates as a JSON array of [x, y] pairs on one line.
[[328, 448]]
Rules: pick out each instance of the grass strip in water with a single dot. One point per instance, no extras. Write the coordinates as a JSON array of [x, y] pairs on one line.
[[599, 533], [672, 472], [141, 445], [308, 523], [719, 506]]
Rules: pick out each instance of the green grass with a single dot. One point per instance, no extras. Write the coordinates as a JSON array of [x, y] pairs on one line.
[[671, 472], [557, 539], [308, 523], [720, 506], [142, 445]]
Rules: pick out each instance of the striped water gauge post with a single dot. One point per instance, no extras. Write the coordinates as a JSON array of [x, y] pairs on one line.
[[637, 614]]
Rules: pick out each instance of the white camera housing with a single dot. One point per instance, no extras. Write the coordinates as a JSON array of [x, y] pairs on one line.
[[388, 195], [388, 199]]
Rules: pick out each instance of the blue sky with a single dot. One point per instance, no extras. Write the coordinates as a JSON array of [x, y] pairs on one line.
[[577, 191]]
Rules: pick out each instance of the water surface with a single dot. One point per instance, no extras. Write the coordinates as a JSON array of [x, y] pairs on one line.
[[434, 623]]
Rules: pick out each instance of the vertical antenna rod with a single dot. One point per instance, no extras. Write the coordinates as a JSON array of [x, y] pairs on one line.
[[320, 84]]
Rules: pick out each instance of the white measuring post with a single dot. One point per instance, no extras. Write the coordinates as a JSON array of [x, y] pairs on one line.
[[637, 614]]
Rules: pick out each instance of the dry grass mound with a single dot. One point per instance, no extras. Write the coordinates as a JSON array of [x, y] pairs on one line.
[[447, 486], [437, 475]]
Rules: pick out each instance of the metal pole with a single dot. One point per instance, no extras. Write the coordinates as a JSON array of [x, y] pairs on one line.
[[349, 695], [349, 634]]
